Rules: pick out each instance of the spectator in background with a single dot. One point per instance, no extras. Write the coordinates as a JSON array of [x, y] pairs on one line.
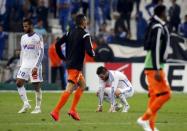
[[114, 5], [183, 27], [174, 15], [150, 7], [141, 26], [120, 29], [97, 12], [75, 6], [39, 28], [105, 9], [64, 7], [13, 65], [3, 37], [42, 12], [103, 31], [15, 14], [125, 8], [103, 53], [56, 65], [85, 6], [2, 11], [53, 7], [72, 24], [29, 10]]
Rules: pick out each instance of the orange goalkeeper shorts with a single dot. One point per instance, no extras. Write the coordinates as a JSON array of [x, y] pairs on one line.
[[75, 76], [156, 87]]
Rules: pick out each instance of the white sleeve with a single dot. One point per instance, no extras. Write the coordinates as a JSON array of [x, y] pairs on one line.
[[21, 52], [41, 52], [113, 88], [101, 93]]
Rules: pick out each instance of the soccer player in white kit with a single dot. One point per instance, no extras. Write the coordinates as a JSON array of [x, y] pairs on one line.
[[32, 50], [114, 84]]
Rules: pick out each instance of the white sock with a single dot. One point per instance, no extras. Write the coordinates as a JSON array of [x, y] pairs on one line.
[[23, 95], [123, 99], [38, 96]]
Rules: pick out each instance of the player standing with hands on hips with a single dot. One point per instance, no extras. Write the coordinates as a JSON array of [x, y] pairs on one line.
[[32, 50], [77, 42]]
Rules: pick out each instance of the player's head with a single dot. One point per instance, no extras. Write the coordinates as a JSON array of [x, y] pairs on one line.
[[102, 73], [81, 20], [27, 25], [160, 11]]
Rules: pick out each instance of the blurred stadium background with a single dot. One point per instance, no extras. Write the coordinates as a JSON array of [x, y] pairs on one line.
[[117, 28]]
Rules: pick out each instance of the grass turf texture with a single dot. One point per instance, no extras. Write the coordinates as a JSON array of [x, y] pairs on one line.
[[172, 117]]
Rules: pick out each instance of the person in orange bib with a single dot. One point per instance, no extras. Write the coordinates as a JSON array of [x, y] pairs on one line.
[[159, 90], [77, 42]]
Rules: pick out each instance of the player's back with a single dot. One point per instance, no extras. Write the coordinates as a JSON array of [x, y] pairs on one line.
[[118, 74], [75, 48]]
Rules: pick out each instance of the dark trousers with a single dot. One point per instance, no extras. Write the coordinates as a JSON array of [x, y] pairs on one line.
[[54, 74]]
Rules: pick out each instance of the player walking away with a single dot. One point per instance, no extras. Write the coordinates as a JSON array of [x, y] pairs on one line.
[[77, 42], [114, 83], [31, 56], [159, 90]]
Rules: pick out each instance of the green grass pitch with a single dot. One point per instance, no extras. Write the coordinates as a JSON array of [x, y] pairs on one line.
[[172, 117]]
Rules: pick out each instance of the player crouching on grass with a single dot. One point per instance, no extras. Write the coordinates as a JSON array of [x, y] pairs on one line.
[[114, 84]]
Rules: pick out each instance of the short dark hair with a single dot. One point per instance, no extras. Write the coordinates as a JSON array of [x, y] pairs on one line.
[[158, 10], [29, 21], [101, 70], [79, 18]]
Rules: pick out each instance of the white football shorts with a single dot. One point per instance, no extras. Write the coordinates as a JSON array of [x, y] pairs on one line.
[[26, 74]]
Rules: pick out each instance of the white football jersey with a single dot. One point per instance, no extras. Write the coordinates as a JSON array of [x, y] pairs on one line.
[[116, 80], [32, 51]]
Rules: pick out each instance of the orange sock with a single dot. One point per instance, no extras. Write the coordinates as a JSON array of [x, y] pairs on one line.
[[152, 121], [63, 99], [77, 95], [146, 116]]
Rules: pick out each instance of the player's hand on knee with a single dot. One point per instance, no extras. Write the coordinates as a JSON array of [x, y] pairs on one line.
[[99, 109]]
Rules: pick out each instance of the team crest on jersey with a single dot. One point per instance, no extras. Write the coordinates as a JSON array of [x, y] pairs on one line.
[[29, 47], [24, 46]]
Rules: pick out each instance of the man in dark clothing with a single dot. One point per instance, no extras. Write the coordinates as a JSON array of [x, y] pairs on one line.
[[174, 14], [3, 37], [77, 42], [103, 52], [42, 13], [125, 8], [159, 90], [183, 27]]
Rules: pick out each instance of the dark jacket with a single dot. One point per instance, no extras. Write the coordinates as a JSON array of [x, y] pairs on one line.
[[77, 41], [160, 40]]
